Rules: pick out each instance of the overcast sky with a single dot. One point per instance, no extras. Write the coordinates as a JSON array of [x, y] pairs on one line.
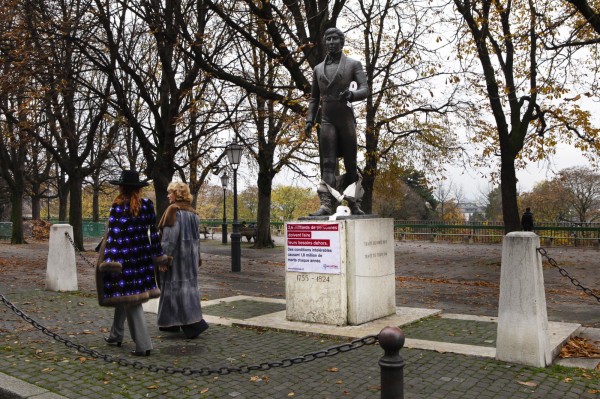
[[473, 184]]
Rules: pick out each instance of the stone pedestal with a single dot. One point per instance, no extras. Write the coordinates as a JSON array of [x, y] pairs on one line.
[[61, 271], [522, 316], [340, 272]]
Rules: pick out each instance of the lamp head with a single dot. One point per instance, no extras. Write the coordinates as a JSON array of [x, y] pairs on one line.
[[234, 154], [224, 180]]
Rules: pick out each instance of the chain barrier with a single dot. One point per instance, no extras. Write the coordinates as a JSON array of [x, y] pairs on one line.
[[204, 371], [564, 273], [78, 251]]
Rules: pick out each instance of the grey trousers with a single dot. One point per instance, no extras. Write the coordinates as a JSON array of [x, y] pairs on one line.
[[136, 323]]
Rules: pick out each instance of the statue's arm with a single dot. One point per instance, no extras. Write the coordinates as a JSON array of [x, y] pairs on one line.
[[362, 88], [313, 103]]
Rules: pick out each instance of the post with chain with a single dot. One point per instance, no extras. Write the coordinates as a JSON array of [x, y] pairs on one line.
[[391, 340]]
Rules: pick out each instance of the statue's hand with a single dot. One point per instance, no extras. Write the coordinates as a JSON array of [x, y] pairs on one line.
[[308, 128], [346, 95]]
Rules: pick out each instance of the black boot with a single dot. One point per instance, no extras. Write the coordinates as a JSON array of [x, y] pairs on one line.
[[322, 211], [192, 331], [326, 208], [355, 209]]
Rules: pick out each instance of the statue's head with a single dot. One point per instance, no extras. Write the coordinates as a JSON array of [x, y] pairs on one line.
[[333, 39]]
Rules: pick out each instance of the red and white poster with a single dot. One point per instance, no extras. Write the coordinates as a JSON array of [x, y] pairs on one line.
[[313, 248]]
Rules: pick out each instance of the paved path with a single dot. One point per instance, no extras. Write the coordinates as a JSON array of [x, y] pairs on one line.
[[249, 329]]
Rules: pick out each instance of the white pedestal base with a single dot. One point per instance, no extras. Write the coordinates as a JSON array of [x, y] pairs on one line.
[[363, 287]]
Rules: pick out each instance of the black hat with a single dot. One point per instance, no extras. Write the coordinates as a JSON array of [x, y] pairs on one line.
[[129, 178]]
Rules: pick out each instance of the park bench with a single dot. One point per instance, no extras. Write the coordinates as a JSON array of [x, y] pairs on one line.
[[248, 232], [206, 231]]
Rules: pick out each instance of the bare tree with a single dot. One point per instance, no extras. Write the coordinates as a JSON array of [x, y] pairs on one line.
[[403, 115], [73, 112], [582, 192], [520, 83], [273, 138], [161, 73], [444, 194], [17, 108]]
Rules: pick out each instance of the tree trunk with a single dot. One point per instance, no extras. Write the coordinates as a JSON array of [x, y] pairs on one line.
[[263, 214], [36, 207], [162, 176], [510, 208], [75, 210], [63, 196], [16, 213], [95, 205], [369, 174], [371, 157]]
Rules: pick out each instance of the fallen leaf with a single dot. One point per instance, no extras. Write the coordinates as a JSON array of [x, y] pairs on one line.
[[528, 383], [153, 387], [204, 390], [580, 347], [255, 378], [333, 369], [291, 394]]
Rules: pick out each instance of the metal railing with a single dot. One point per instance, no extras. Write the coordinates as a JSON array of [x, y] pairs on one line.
[[551, 234], [5, 230]]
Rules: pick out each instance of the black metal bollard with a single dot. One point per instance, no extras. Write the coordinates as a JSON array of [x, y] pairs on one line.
[[391, 339]]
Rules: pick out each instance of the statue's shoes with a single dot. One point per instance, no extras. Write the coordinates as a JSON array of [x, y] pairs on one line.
[[355, 210], [322, 212]]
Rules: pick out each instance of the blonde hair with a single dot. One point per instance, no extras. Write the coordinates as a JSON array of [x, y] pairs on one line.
[[180, 190]]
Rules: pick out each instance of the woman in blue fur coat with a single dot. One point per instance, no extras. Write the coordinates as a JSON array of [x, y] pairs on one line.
[[179, 306], [127, 259]]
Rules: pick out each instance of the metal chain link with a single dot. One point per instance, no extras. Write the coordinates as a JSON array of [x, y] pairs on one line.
[[204, 371], [78, 251], [564, 273]]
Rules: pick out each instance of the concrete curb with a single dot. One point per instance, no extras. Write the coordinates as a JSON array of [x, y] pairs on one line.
[[13, 388]]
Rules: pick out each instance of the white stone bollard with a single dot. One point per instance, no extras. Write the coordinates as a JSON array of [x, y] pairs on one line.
[[522, 317], [61, 271], [151, 306]]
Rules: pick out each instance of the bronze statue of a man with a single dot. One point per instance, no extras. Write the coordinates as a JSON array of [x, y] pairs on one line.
[[337, 138]]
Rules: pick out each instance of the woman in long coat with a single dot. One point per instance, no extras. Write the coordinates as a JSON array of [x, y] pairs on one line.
[[127, 259], [179, 305]]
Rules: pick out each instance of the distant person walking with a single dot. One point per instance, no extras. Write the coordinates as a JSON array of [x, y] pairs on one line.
[[527, 220], [127, 257], [179, 306]]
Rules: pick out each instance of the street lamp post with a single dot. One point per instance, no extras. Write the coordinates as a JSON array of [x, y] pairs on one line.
[[47, 197], [234, 155], [224, 181]]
